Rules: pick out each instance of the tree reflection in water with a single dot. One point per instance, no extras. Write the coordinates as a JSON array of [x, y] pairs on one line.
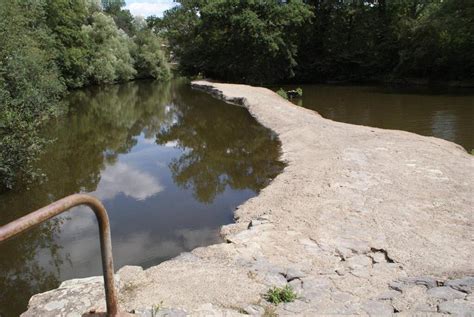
[[221, 148], [117, 142], [84, 142]]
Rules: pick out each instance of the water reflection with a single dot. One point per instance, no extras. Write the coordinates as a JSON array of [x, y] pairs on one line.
[[446, 113], [221, 150], [121, 178], [170, 165]]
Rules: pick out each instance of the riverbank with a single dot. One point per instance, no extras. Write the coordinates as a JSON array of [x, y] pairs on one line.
[[361, 221]]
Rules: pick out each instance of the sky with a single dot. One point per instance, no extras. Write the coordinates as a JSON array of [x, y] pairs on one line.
[[149, 7]]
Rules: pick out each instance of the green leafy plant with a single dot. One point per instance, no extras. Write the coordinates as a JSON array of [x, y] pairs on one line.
[[282, 93], [299, 91], [277, 295]]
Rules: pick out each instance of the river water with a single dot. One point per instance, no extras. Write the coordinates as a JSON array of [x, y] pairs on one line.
[[440, 112], [170, 165]]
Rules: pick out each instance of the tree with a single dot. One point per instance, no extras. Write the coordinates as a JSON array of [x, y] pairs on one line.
[[65, 19], [109, 49], [123, 18], [30, 86], [245, 41], [437, 41], [150, 60]]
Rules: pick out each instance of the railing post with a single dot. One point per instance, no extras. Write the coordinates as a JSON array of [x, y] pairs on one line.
[[41, 215]]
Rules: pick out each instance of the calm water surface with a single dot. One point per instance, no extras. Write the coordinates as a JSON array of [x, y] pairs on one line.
[[169, 163], [446, 114]]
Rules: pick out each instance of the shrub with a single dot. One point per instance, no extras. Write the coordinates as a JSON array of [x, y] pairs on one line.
[[299, 91], [277, 295]]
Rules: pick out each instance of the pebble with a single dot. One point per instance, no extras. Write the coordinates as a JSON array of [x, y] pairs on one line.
[[445, 293]]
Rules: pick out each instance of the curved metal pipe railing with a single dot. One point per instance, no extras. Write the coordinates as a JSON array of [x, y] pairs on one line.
[[41, 215]]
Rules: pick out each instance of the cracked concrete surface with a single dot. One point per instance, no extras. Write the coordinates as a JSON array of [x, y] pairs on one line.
[[362, 221]]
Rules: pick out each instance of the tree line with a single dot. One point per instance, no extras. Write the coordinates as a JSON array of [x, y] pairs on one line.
[[265, 41], [50, 46]]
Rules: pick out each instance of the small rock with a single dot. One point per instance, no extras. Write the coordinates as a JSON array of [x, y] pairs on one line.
[[465, 284], [359, 261], [343, 297], [445, 293], [397, 286], [378, 257], [254, 310], [470, 298], [461, 308], [412, 297], [297, 286], [362, 272], [376, 308], [295, 307], [429, 282], [293, 273], [274, 280], [55, 305], [344, 253], [388, 295]]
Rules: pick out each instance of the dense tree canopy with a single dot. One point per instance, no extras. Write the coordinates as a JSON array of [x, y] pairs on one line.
[[48, 46], [265, 41], [30, 85], [250, 41]]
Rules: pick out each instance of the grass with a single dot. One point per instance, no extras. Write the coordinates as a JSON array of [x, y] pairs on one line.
[[156, 308], [282, 93], [277, 295]]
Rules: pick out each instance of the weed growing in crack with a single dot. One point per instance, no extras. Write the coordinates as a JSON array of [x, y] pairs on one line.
[[277, 295]]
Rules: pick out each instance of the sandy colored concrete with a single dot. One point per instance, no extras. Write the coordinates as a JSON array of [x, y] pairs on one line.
[[362, 221]]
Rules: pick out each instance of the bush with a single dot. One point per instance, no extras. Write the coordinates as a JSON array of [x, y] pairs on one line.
[[299, 91], [277, 295], [109, 47], [150, 60], [30, 87]]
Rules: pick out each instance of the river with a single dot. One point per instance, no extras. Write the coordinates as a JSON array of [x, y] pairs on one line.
[[170, 165], [441, 112]]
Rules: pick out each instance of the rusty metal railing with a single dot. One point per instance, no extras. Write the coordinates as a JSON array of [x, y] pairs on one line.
[[41, 215]]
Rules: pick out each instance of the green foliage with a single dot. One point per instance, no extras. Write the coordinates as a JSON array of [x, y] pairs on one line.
[[438, 43], [246, 41], [282, 93], [122, 18], [109, 47], [299, 91], [150, 60], [49, 45], [65, 19], [30, 86], [321, 40], [277, 295], [355, 40]]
